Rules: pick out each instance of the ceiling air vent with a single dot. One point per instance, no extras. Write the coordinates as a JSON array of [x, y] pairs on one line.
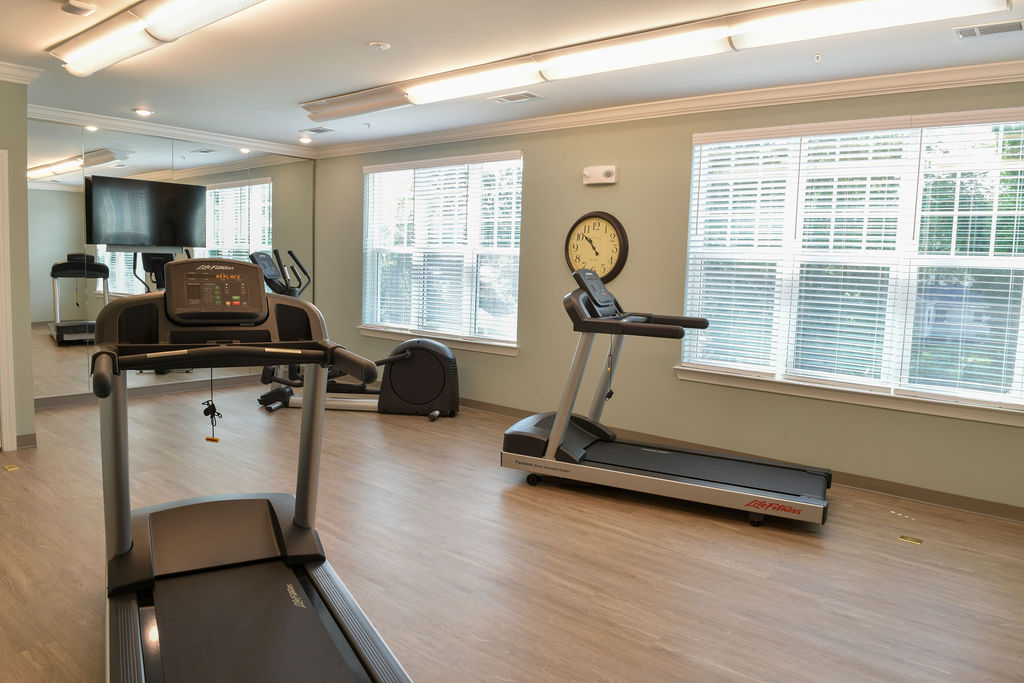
[[981, 30], [514, 97], [319, 130]]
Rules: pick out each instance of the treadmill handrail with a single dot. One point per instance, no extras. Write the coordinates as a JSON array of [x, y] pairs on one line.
[[107, 361], [633, 324]]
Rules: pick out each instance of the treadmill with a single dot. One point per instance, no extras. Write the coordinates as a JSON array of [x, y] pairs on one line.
[[83, 267], [562, 444], [232, 587]]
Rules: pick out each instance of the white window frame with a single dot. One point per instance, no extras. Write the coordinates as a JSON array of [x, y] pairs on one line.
[[965, 407], [459, 341]]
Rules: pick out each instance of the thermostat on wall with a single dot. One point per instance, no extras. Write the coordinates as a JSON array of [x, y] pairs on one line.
[[600, 175]]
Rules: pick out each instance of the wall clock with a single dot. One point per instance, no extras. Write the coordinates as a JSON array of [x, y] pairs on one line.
[[597, 241]]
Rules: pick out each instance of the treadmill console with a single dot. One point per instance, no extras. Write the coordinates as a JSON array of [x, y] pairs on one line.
[[215, 292], [603, 301]]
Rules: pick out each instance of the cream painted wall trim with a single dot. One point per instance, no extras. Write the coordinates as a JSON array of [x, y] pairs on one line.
[[160, 130], [8, 424], [445, 161], [499, 348], [15, 73], [175, 175], [914, 81], [862, 125], [910, 404]]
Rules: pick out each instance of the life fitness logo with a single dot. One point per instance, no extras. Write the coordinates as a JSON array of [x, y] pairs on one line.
[[214, 266], [759, 504]]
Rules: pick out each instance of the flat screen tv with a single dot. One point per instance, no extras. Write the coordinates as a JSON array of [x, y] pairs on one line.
[[144, 213]]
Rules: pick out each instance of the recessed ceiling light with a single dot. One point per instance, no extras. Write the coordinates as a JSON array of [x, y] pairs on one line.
[[91, 128], [244, 150], [143, 111], [305, 139], [379, 45]]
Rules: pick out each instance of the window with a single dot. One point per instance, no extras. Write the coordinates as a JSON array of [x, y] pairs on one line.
[[238, 222], [238, 219], [441, 248], [884, 260]]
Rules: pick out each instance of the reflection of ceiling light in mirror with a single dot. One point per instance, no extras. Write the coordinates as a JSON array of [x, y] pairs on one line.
[[97, 157], [143, 111], [244, 150], [91, 128], [56, 168]]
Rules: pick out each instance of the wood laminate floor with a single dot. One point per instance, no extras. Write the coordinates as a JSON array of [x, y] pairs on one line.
[[63, 369], [471, 575]]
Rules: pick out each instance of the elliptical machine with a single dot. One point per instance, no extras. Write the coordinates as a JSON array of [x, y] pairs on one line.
[[420, 376]]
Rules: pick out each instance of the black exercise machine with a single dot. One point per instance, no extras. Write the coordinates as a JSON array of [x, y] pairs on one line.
[[230, 587], [562, 444], [420, 377], [78, 267]]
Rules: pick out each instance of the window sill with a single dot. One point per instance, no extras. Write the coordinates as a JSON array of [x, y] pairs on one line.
[[453, 341], [912, 404]]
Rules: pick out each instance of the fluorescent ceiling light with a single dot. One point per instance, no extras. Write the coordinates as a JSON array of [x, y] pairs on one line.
[[820, 18], [514, 73], [169, 20], [376, 99], [785, 23], [652, 47], [97, 157], [141, 27], [120, 37]]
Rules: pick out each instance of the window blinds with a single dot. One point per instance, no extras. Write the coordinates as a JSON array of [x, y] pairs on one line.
[[441, 248], [238, 219], [892, 260]]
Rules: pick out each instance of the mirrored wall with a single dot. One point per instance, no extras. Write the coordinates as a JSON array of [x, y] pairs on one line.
[[254, 200]]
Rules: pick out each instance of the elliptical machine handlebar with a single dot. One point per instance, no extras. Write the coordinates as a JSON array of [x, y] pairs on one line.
[[276, 274]]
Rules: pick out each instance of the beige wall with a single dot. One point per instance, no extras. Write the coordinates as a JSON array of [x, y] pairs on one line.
[[292, 204], [13, 138], [651, 199], [56, 228]]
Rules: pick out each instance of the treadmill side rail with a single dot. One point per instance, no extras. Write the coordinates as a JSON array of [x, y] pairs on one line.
[[124, 640], [374, 653]]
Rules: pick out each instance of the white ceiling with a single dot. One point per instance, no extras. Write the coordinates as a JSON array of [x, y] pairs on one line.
[[246, 75]]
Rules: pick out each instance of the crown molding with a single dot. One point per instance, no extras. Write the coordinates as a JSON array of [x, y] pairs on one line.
[[15, 73], [215, 169], [160, 130], [44, 186], [913, 81]]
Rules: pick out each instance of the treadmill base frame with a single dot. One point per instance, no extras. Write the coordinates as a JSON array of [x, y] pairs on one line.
[[753, 502]]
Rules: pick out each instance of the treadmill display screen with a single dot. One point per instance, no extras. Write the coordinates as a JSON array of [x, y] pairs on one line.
[[215, 290]]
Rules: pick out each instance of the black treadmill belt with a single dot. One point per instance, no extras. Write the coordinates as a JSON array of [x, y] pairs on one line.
[[249, 623], [748, 474]]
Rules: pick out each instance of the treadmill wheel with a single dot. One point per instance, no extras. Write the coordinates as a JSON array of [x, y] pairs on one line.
[[532, 479]]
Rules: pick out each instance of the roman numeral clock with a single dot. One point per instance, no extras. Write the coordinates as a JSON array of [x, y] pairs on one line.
[[597, 241]]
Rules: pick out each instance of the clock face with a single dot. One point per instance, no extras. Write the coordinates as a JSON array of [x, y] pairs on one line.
[[597, 241]]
